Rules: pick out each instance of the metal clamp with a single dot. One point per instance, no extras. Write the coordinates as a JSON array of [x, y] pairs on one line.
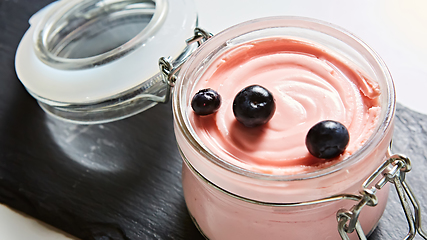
[[392, 170], [169, 68]]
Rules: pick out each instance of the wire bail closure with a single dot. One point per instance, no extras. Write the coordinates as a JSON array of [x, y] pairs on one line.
[[169, 68], [393, 170]]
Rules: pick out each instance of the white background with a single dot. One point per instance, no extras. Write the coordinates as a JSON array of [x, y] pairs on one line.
[[396, 29]]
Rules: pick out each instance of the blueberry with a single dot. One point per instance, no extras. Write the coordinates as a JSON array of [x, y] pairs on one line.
[[254, 106], [205, 102], [327, 139]]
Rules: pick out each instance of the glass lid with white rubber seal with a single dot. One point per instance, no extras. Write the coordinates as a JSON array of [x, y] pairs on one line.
[[97, 61]]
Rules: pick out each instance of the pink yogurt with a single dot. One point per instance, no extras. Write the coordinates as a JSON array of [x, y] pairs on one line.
[[247, 183], [309, 83]]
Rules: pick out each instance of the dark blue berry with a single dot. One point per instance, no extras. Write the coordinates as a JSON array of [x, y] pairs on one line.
[[205, 102], [254, 106], [327, 139]]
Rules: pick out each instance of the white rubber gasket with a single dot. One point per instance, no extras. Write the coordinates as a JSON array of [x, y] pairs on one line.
[[99, 83]]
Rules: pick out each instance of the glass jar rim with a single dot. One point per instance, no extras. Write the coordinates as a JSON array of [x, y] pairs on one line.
[[179, 107], [45, 29]]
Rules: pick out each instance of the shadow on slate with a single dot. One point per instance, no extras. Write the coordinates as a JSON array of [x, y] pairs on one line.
[[111, 181], [122, 180]]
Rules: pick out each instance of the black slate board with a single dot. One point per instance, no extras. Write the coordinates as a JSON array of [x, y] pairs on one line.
[[122, 180]]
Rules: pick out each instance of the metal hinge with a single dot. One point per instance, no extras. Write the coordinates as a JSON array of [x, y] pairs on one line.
[[393, 170]]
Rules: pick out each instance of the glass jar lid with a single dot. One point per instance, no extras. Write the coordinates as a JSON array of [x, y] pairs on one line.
[[93, 61]]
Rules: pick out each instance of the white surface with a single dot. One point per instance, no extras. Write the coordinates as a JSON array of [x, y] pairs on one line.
[[394, 28], [15, 226]]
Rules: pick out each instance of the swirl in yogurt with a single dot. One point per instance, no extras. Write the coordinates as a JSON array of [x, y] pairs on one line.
[[309, 83]]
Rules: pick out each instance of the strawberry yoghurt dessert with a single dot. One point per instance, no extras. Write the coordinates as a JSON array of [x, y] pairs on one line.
[[279, 122]]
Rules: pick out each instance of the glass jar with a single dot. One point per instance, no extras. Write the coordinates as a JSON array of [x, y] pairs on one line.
[[227, 201]]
